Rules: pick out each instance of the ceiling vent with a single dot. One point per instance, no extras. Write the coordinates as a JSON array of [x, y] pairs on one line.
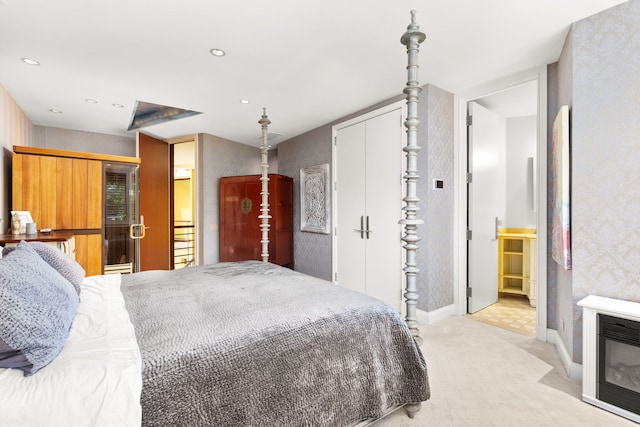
[[148, 114]]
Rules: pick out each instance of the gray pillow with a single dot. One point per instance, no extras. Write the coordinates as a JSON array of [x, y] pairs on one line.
[[61, 262], [38, 306]]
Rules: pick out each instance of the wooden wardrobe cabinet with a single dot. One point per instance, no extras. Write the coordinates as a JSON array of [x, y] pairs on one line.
[[240, 232], [64, 191]]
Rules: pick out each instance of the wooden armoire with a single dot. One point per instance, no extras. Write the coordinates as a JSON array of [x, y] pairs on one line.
[[239, 223]]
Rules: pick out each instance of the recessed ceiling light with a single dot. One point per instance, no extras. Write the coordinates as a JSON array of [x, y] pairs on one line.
[[118, 105], [245, 101], [30, 61], [90, 101], [217, 52], [53, 110]]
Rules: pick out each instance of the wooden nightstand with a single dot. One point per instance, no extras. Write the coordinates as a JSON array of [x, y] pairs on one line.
[[62, 240]]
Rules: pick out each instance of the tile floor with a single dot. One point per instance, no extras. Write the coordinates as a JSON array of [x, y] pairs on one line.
[[512, 312]]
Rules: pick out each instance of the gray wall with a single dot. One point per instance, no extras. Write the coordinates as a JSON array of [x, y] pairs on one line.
[[221, 157], [435, 160], [15, 129], [552, 277], [312, 251], [86, 142], [597, 76], [560, 280], [521, 147]]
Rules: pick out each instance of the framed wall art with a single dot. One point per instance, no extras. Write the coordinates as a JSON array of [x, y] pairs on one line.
[[561, 176], [315, 199]]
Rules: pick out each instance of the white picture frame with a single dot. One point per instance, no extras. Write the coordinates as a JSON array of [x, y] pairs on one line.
[[315, 199], [25, 218]]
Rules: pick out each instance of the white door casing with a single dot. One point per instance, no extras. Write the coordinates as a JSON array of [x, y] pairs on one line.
[[460, 155]]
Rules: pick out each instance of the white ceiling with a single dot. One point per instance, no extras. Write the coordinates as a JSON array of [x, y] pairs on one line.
[[308, 62]]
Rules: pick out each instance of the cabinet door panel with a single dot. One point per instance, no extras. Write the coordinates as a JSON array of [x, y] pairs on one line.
[[79, 210], [82, 252], [64, 195], [94, 189], [48, 193], [89, 253], [30, 186], [17, 202], [94, 248]]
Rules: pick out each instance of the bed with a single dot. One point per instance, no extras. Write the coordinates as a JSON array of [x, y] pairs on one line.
[[230, 344]]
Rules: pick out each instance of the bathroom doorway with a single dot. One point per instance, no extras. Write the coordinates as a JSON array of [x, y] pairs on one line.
[[502, 137]]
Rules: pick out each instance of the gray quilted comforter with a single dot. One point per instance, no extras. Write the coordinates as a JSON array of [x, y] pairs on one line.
[[254, 344]]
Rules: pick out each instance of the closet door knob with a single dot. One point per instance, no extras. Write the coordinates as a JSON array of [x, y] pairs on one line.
[[361, 230]]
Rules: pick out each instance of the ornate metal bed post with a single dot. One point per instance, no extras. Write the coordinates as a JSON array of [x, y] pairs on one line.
[[264, 206], [412, 39]]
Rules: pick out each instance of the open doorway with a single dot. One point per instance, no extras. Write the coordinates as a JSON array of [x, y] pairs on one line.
[[503, 207], [184, 204]]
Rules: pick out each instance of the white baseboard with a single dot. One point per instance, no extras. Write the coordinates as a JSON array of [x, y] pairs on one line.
[[574, 370], [431, 317]]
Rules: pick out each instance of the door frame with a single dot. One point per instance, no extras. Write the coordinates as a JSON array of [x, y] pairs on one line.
[[460, 203], [198, 213]]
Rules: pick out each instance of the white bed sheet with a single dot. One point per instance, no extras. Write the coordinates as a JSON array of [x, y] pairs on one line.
[[95, 380]]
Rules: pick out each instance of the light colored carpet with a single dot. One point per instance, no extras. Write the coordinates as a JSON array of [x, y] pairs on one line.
[[481, 375]]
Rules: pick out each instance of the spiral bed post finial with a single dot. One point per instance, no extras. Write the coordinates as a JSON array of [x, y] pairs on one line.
[[412, 39], [264, 179]]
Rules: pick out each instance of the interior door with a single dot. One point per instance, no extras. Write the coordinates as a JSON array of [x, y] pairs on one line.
[[384, 208], [486, 204], [120, 214], [155, 179], [368, 206], [350, 205]]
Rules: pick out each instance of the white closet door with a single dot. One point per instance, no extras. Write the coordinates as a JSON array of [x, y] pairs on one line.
[[383, 207], [369, 192], [350, 206]]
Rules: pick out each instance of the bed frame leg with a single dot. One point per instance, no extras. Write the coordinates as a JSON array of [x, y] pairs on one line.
[[412, 408]]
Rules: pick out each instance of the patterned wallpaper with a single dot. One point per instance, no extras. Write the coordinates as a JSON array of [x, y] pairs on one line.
[[598, 78], [435, 137], [312, 251], [436, 161], [606, 156], [561, 309]]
